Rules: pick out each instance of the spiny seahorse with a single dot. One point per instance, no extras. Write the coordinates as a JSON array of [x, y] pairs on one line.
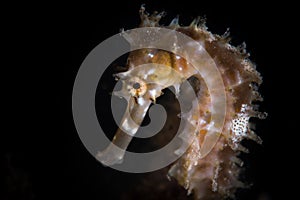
[[208, 173]]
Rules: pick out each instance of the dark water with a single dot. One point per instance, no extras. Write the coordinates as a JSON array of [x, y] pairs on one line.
[[42, 156]]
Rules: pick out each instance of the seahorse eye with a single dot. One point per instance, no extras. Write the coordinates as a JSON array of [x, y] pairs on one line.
[[136, 87]]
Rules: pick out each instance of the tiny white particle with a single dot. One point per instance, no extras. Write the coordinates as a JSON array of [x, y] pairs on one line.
[[150, 71], [125, 125], [178, 57], [141, 101], [152, 93], [150, 55]]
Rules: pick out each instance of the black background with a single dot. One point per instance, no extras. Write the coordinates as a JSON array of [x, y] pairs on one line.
[[42, 156]]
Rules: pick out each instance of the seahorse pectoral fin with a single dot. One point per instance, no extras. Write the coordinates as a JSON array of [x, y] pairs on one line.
[[130, 123]]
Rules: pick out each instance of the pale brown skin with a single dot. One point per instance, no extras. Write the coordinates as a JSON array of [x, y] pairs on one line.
[[216, 176]]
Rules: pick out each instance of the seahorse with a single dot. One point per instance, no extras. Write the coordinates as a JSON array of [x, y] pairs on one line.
[[208, 169]]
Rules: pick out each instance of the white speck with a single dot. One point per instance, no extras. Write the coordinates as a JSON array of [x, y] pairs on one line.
[[152, 93], [146, 109], [201, 122], [125, 125], [150, 71], [150, 55], [141, 101], [177, 57]]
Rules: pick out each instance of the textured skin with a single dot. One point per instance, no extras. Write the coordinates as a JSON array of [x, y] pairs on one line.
[[216, 176]]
